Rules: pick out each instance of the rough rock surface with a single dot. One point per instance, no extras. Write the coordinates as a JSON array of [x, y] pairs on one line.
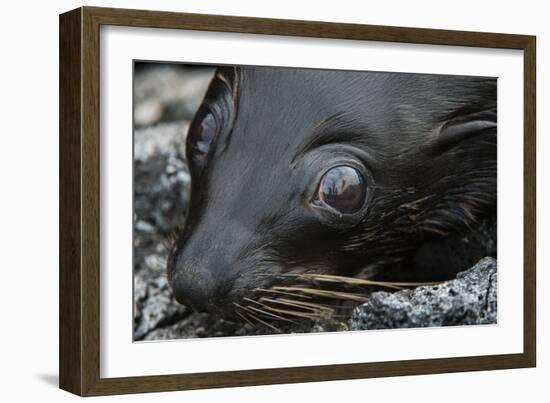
[[470, 299], [167, 92], [166, 98], [161, 189], [156, 306]]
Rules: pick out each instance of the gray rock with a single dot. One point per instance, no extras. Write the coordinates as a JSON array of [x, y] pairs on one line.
[[198, 325], [161, 188], [147, 112], [470, 299], [168, 93], [154, 306], [167, 139]]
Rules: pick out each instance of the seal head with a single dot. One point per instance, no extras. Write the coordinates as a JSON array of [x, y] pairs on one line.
[[336, 172]]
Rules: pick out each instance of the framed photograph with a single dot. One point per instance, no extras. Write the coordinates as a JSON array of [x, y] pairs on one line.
[[249, 201]]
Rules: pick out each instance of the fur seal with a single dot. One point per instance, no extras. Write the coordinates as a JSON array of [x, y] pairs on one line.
[[335, 172]]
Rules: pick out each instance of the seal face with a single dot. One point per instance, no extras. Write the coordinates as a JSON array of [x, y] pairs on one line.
[[335, 172]]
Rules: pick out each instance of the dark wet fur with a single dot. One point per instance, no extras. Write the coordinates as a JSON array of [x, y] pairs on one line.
[[428, 142]]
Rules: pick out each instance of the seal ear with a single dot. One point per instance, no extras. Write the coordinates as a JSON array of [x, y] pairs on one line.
[[465, 126]]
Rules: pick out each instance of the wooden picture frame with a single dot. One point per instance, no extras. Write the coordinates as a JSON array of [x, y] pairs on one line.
[[79, 201]]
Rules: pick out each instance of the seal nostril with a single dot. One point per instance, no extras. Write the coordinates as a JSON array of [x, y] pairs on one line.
[[194, 300], [193, 287], [200, 271], [192, 294]]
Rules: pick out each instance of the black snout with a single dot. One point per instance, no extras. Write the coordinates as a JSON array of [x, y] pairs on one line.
[[193, 287], [204, 267], [198, 277]]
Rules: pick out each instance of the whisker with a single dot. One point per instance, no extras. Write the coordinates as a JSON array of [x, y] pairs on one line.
[[265, 323], [251, 314], [308, 300], [309, 304], [327, 306], [309, 307], [329, 310], [261, 311], [290, 294], [282, 302], [327, 293], [243, 316], [292, 313], [358, 281]]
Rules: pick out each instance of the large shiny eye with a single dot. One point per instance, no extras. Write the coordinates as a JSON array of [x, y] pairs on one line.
[[202, 131], [343, 188]]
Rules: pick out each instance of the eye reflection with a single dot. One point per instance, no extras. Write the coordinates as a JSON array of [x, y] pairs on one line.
[[343, 188]]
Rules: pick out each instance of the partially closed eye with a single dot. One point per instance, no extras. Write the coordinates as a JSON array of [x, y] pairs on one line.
[[342, 188], [202, 131]]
